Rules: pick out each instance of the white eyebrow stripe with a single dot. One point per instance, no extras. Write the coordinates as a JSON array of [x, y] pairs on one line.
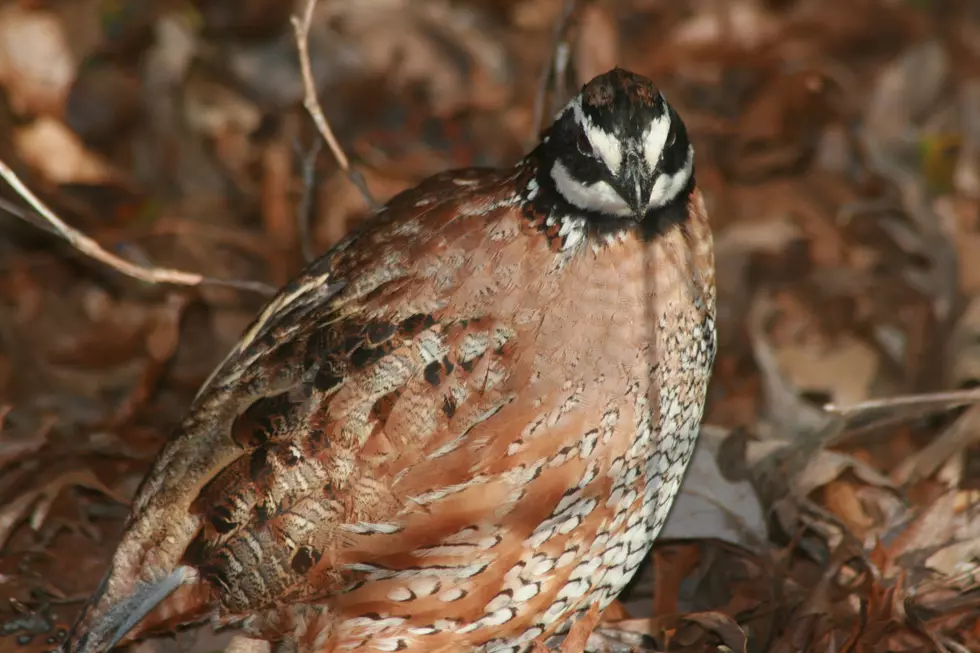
[[608, 147], [575, 103], [599, 196], [605, 144], [654, 140]]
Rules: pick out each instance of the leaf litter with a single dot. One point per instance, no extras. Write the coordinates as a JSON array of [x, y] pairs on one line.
[[833, 498]]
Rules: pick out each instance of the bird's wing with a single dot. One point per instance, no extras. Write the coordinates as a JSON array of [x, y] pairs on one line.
[[359, 425]]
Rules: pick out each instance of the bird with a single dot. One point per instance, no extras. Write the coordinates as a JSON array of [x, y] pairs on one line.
[[462, 427]]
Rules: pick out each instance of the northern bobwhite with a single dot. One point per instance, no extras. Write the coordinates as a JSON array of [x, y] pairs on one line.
[[459, 428]]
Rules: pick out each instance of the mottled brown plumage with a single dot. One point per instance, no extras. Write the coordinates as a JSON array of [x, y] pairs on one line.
[[462, 426]]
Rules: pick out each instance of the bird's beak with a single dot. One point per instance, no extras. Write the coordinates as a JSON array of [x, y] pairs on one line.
[[635, 185]]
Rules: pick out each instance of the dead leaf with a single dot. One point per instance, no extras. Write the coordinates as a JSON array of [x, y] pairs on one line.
[[42, 497], [578, 636], [52, 149], [725, 627], [963, 433], [712, 507]]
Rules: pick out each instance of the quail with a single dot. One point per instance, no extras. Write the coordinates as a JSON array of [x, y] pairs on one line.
[[461, 427]]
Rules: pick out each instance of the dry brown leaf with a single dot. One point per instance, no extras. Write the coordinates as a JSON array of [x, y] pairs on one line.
[[730, 633], [709, 506], [41, 497], [841, 498], [930, 529], [963, 433], [578, 636], [845, 367], [615, 611], [829, 465], [955, 559], [52, 149], [671, 566]]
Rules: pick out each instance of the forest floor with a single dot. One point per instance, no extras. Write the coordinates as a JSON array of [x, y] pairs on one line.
[[834, 500]]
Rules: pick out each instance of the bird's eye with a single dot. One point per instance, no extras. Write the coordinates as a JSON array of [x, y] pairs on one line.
[[583, 145]]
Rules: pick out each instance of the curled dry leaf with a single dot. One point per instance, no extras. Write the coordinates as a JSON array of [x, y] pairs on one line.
[[52, 149], [787, 468], [710, 506], [844, 367], [730, 633], [830, 465], [929, 530], [787, 414], [41, 498]]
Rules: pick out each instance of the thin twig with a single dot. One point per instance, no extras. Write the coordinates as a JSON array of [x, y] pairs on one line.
[[306, 200], [301, 28], [949, 399], [555, 62], [92, 249]]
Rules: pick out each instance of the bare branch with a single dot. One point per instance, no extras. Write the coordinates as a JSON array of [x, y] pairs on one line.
[[306, 200], [557, 63], [929, 401], [92, 249], [301, 28]]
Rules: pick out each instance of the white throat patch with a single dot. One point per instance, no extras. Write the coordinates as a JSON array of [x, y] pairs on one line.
[[599, 196], [667, 187]]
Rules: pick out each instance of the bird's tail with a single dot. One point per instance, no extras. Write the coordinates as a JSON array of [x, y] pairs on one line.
[[178, 598]]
